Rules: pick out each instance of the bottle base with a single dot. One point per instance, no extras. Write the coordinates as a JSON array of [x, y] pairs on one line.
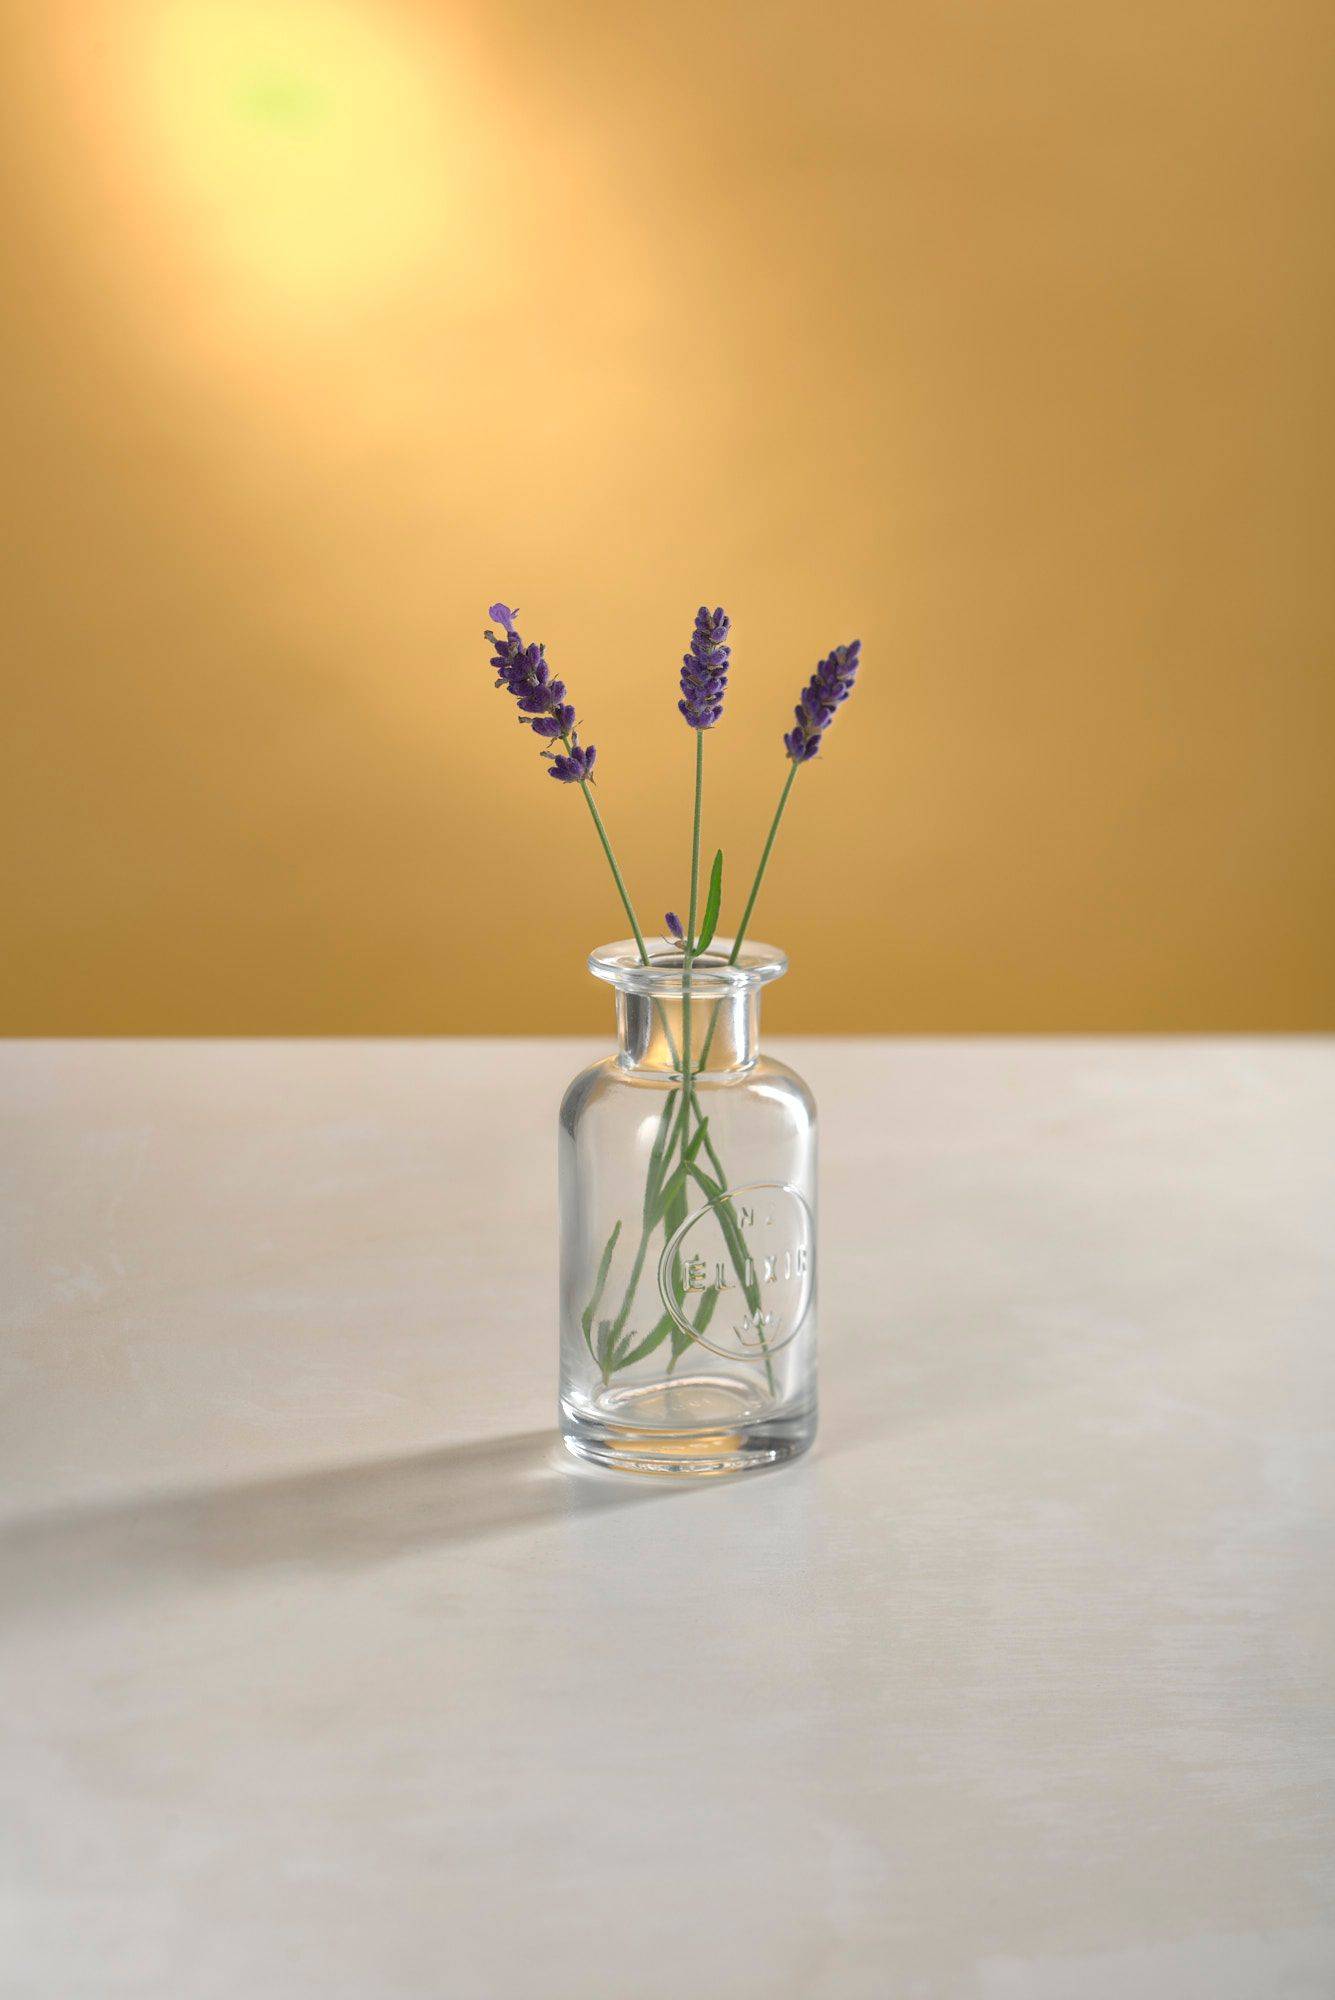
[[694, 1427]]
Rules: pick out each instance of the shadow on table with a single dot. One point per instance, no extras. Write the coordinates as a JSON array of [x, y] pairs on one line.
[[340, 1517]]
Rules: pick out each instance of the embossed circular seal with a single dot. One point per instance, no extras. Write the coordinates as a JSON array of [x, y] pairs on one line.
[[738, 1274]]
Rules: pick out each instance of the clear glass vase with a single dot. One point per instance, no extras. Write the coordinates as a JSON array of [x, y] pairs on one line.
[[688, 1227]]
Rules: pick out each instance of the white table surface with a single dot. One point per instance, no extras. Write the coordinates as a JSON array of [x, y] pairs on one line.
[[326, 1674]]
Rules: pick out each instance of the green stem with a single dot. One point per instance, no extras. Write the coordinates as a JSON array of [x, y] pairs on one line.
[[688, 950], [764, 862], [622, 890]]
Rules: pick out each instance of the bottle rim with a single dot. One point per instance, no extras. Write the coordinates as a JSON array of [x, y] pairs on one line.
[[712, 974]]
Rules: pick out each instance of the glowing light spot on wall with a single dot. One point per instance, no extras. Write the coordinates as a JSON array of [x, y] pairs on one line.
[[283, 99], [310, 144]]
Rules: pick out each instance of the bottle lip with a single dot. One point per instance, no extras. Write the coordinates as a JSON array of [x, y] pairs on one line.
[[712, 974]]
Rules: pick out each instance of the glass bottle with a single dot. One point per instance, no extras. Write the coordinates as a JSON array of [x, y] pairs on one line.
[[688, 1227]]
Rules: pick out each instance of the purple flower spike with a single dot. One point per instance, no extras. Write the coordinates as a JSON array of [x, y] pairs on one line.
[[673, 922], [523, 672], [704, 671], [829, 686]]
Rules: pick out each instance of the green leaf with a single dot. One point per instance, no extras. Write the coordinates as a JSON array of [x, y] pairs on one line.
[[586, 1318], [651, 1340], [732, 1233], [672, 1187], [712, 902], [681, 1340], [676, 1181], [606, 1346], [658, 1161], [674, 1214], [736, 1242]]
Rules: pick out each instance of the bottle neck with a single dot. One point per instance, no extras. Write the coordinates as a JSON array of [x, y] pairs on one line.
[[724, 1033]]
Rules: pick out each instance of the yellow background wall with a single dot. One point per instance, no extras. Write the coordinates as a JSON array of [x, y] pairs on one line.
[[998, 334]]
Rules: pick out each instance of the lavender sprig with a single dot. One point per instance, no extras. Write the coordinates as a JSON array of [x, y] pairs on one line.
[[829, 686], [704, 670]]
